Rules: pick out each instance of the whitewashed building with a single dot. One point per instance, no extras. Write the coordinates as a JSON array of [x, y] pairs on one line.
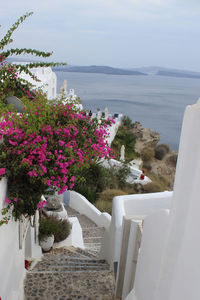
[[47, 80]]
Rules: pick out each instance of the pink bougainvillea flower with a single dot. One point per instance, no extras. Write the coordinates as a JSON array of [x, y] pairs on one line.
[[15, 199], [61, 143], [41, 204], [35, 173], [71, 186], [72, 179], [2, 171], [7, 200], [48, 182], [30, 173]]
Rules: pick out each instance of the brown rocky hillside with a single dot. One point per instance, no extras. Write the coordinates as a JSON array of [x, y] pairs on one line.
[[145, 138]]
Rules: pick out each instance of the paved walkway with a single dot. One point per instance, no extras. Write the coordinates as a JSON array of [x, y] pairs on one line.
[[72, 273]]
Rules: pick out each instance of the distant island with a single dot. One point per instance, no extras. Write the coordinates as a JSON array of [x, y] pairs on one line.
[[151, 70], [177, 74], [98, 69], [160, 71]]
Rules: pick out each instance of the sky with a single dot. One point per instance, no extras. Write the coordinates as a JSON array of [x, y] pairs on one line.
[[117, 33]]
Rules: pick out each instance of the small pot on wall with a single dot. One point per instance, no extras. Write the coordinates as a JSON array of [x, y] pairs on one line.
[[47, 242]]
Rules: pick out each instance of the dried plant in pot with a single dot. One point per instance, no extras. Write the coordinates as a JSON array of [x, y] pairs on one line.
[[52, 230], [47, 228], [63, 230]]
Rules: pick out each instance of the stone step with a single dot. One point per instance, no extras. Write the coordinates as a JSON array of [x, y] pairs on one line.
[[76, 262], [95, 240], [55, 268], [93, 231], [85, 222], [71, 212], [71, 267], [92, 245], [68, 286], [70, 259], [55, 272], [94, 253], [72, 273]]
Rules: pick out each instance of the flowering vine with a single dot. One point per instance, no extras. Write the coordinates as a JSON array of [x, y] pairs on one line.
[[45, 147]]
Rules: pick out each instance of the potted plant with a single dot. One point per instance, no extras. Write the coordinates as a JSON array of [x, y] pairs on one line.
[[47, 229], [53, 229], [63, 230]]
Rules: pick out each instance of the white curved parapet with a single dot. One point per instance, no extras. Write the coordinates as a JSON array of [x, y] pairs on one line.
[[83, 206], [112, 130], [131, 205], [135, 173]]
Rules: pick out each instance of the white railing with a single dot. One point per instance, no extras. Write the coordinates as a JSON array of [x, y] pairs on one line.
[[83, 206], [138, 205]]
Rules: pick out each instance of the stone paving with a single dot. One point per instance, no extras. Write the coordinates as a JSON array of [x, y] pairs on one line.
[[72, 273]]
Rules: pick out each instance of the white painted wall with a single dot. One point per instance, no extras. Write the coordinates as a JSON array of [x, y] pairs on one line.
[[131, 259], [180, 276], [169, 262], [130, 205], [113, 130], [48, 80], [83, 206], [12, 271], [11, 262], [11, 258], [152, 248]]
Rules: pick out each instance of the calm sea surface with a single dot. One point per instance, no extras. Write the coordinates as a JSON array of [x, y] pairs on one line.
[[155, 101]]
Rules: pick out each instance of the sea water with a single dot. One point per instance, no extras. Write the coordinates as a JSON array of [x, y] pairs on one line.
[[157, 102]]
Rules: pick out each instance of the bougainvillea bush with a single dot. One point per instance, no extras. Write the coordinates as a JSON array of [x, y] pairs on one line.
[[45, 147]]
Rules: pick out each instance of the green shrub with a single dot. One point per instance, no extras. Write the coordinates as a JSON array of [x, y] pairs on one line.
[[92, 180], [127, 122], [160, 153], [161, 150], [120, 174], [104, 203], [63, 230], [147, 154], [47, 227], [87, 192], [109, 194], [51, 225], [165, 146], [104, 206], [124, 137]]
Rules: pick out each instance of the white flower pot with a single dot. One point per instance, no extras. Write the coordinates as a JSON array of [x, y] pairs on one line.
[[47, 242]]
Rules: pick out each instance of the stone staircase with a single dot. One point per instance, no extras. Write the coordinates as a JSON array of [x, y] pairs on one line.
[[72, 273], [92, 235]]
